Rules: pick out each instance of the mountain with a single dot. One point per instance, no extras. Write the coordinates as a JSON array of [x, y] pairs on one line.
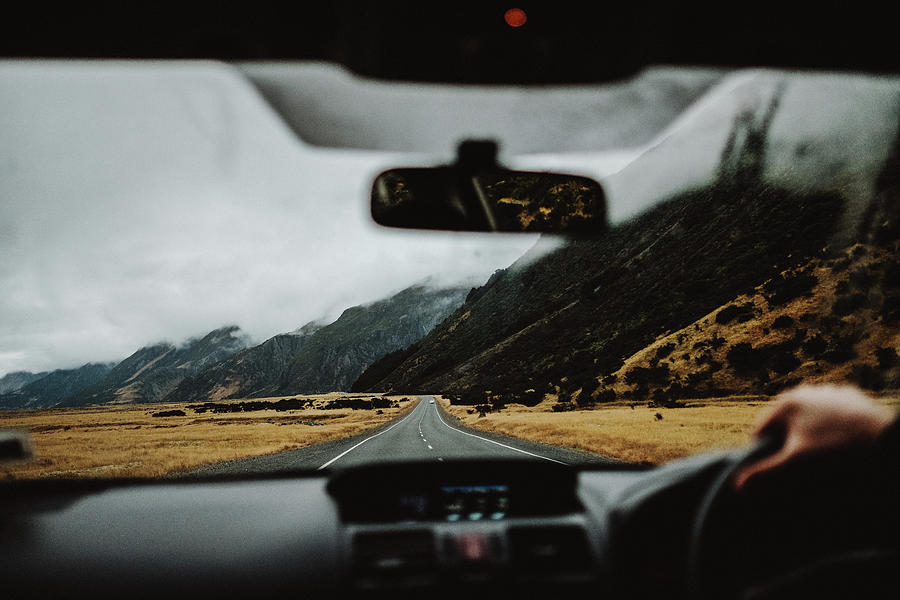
[[153, 371], [18, 379], [52, 389], [246, 374], [569, 320], [832, 320], [325, 358]]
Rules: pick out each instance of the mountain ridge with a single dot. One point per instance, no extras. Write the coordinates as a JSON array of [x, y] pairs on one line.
[[328, 357], [151, 372]]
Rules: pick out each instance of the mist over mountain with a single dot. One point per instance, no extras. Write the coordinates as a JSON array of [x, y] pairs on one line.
[[324, 358], [153, 371]]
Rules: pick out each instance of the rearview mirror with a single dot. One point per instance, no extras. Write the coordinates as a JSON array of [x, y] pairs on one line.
[[476, 194]]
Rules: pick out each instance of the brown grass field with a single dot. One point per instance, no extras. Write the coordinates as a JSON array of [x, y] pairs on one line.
[[631, 434], [126, 441]]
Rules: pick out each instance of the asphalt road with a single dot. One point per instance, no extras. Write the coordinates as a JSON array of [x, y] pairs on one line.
[[423, 434]]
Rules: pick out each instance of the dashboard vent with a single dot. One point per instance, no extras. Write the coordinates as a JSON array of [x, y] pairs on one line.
[[394, 559], [538, 550]]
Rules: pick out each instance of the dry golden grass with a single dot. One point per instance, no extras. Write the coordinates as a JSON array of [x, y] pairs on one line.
[[126, 441], [631, 434]]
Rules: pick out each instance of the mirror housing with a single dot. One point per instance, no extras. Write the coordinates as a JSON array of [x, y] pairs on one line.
[[477, 194]]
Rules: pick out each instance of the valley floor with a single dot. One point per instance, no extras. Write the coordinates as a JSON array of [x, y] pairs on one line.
[[128, 441]]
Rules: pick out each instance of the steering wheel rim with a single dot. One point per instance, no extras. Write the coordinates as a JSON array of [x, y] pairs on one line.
[[696, 580]]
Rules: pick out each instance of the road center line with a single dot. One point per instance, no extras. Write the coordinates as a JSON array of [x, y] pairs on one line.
[[366, 440], [436, 412]]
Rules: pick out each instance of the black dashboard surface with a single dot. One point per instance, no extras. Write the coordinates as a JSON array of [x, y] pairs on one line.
[[400, 527], [480, 528]]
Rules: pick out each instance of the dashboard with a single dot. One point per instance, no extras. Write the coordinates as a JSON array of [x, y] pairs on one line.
[[475, 526], [402, 527], [480, 528]]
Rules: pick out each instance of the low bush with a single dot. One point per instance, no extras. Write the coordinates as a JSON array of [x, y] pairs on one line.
[[846, 305], [782, 289], [783, 322], [745, 359], [735, 312]]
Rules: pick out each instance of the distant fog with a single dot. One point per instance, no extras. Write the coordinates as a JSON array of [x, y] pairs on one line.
[[159, 201]]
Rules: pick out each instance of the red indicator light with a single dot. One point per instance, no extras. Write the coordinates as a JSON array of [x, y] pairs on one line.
[[515, 17], [472, 547]]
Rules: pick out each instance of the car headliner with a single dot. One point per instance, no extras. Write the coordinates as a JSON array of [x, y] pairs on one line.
[[466, 42]]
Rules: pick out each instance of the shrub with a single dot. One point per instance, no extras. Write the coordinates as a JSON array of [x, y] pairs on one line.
[[863, 278], [563, 406], [697, 377], [664, 351], [815, 345], [530, 397], [892, 276], [890, 310], [887, 357], [783, 322], [782, 290], [867, 377], [584, 399], [169, 413], [840, 351], [781, 358], [846, 305], [380, 402], [842, 287], [643, 376], [732, 312], [840, 264], [606, 395], [745, 359], [674, 392]]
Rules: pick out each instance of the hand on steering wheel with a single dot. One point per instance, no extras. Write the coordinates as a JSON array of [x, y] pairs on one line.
[[814, 418]]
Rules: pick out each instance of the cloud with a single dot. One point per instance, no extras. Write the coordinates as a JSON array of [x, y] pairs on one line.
[[157, 202]]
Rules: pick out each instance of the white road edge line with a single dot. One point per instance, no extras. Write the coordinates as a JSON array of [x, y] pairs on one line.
[[436, 412], [366, 440]]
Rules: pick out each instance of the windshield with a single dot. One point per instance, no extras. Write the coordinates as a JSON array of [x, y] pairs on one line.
[[193, 285]]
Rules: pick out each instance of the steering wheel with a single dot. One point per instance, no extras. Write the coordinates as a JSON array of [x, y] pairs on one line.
[[698, 584], [855, 565]]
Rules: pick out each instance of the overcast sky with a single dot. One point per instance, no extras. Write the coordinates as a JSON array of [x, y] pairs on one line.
[[154, 202]]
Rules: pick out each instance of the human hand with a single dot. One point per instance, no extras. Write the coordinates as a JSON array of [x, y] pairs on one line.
[[816, 418]]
